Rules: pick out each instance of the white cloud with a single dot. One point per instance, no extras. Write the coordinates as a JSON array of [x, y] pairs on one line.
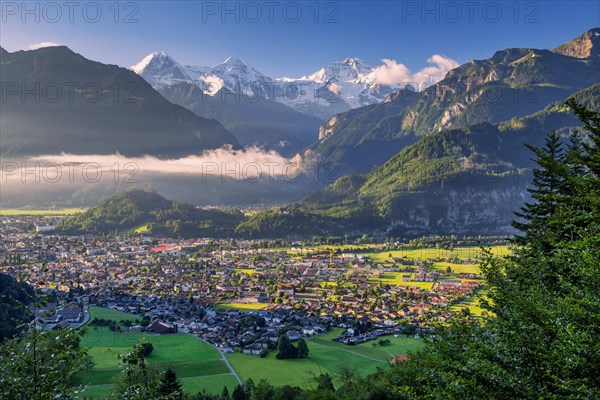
[[394, 73], [39, 45], [251, 162]]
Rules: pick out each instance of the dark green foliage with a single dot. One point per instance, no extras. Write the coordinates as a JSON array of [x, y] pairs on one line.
[[169, 386], [41, 365], [548, 186], [285, 348], [285, 221], [147, 349], [131, 208], [14, 300], [239, 393], [302, 348]]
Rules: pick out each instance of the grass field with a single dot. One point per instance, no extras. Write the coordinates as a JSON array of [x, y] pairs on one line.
[[15, 212], [472, 303], [247, 271], [142, 229], [242, 306], [196, 363], [395, 278], [199, 366], [463, 253], [103, 313], [324, 356], [399, 345], [457, 268]]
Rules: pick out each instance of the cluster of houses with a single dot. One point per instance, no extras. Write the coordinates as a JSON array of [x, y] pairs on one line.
[[352, 337], [179, 284], [54, 315]]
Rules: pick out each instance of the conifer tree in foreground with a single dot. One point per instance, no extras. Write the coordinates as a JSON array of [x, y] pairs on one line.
[[170, 386]]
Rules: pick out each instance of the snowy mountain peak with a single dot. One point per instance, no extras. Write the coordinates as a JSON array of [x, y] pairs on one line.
[[354, 62], [159, 69], [158, 57], [333, 88], [233, 61], [348, 70], [239, 68]]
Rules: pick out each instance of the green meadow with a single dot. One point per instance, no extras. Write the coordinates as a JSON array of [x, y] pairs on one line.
[[197, 364], [325, 356], [462, 253]]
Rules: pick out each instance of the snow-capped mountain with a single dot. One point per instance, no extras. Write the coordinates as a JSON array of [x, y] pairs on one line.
[[350, 80], [332, 89], [159, 70], [216, 93], [235, 76]]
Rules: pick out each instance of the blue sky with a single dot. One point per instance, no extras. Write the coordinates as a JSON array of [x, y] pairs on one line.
[[295, 38]]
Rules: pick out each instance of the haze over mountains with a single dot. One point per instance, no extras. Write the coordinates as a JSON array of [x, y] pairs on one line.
[[55, 100], [460, 181]]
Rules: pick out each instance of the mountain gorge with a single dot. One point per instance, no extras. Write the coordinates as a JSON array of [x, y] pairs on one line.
[[55, 100]]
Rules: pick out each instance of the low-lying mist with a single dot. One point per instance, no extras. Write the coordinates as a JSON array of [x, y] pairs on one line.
[[223, 177]]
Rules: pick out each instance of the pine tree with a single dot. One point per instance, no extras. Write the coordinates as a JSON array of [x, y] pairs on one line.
[[591, 123], [547, 188], [239, 393], [539, 337], [170, 385]]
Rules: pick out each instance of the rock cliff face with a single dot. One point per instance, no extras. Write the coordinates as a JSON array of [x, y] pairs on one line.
[[458, 211], [584, 46]]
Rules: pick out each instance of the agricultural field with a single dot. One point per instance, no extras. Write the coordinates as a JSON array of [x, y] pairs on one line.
[[457, 268], [325, 356], [247, 271], [244, 307], [8, 212], [395, 278], [197, 363], [462, 253], [142, 229], [472, 303]]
